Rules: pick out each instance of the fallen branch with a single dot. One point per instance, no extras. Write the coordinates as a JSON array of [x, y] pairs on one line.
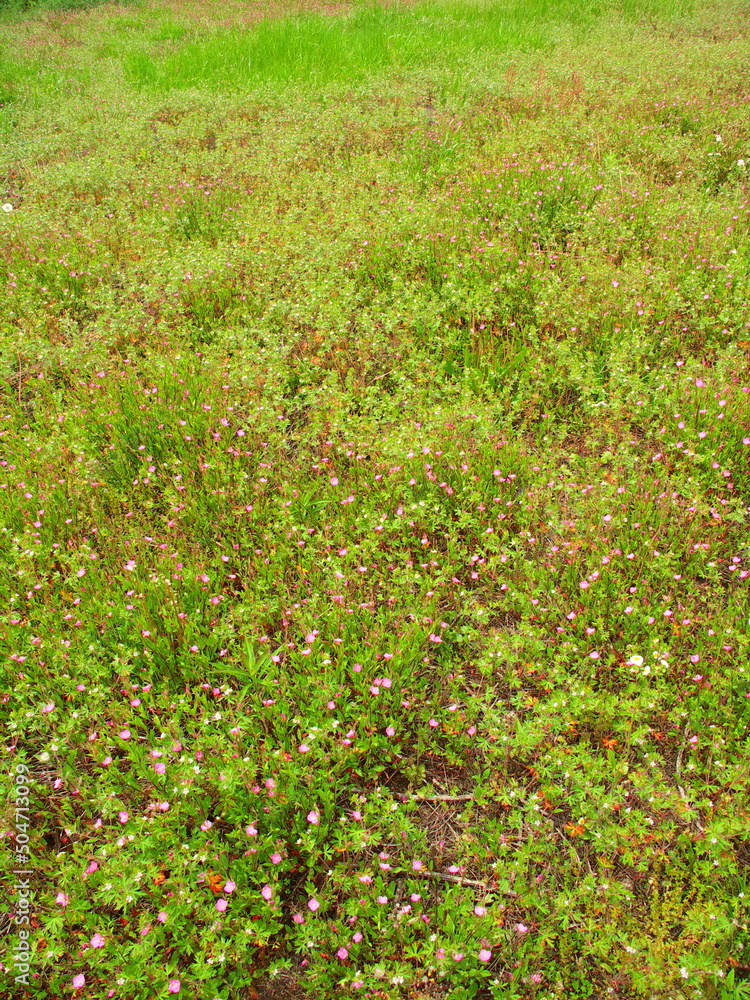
[[442, 798], [474, 883]]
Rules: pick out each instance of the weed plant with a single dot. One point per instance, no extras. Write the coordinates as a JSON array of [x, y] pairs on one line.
[[374, 462]]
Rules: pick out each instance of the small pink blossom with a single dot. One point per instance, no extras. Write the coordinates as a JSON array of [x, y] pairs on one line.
[[485, 955], [173, 986], [97, 941], [122, 816], [313, 905], [313, 817], [162, 917], [124, 734], [342, 953], [79, 981], [267, 893], [221, 905], [62, 898], [229, 886]]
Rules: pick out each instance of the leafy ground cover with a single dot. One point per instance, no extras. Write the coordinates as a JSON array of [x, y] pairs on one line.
[[375, 486]]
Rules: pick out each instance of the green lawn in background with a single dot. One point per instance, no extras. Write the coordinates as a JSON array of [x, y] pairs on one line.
[[375, 478]]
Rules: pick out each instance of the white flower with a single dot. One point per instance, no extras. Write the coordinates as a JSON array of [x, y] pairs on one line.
[[635, 661], [741, 164], [7, 207], [718, 138], [684, 972]]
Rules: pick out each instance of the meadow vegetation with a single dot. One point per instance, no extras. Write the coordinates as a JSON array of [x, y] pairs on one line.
[[375, 477]]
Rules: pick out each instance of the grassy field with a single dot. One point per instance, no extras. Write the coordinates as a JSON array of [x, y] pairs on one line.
[[375, 477]]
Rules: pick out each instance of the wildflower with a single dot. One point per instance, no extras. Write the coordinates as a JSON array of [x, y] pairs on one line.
[[173, 986], [221, 905], [267, 893], [79, 980], [485, 955], [342, 953], [635, 661], [62, 898], [313, 905], [97, 941], [313, 817]]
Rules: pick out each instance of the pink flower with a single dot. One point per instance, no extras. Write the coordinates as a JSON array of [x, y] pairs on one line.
[[313, 905], [159, 767], [297, 918], [303, 748], [79, 981], [480, 910], [130, 565], [125, 734], [695, 658], [251, 831], [97, 941], [522, 928], [382, 900], [334, 481], [92, 867], [434, 723], [122, 816], [62, 898], [221, 905], [484, 955], [312, 817], [267, 893], [229, 886], [342, 953], [417, 865], [390, 731], [276, 859], [49, 707], [173, 986], [162, 917], [81, 572]]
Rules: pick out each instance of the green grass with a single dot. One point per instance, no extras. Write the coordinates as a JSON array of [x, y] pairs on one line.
[[375, 478], [320, 49]]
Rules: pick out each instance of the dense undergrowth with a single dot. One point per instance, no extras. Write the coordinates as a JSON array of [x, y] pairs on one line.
[[375, 489]]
